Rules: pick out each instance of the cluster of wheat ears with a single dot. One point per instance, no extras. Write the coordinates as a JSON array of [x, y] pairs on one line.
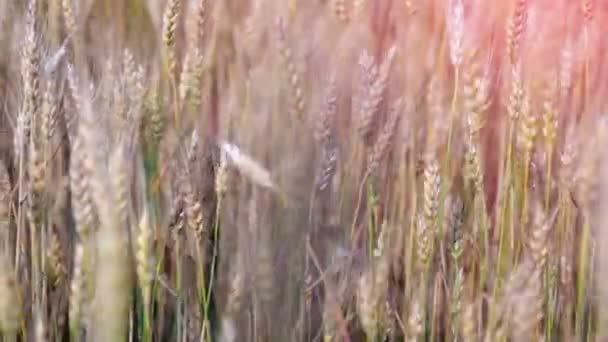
[[303, 170]]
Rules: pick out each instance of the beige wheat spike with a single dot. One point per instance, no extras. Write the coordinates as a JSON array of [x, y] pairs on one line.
[[133, 75], [196, 19], [237, 288], [515, 30], [383, 144], [517, 96], [431, 192], [112, 287], [473, 171], [265, 274], [69, 17], [372, 91], [566, 271], [10, 308], [264, 265], [366, 303], [48, 112], [456, 301], [587, 8], [359, 7], [113, 275], [121, 187], [81, 288], [550, 119], [36, 169], [192, 151], [475, 101], [384, 70], [19, 138], [30, 75], [367, 75], [192, 206], [327, 112], [177, 227], [252, 26], [95, 164], [325, 137], [538, 242], [455, 221], [410, 7], [57, 260], [76, 98], [85, 184], [565, 68], [222, 177], [328, 164], [143, 257], [528, 127], [297, 102], [382, 265], [78, 291], [569, 156], [84, 211], [525, 303], [423, 243], [194, 212], [248, 167], [455, 26], [415, 321], [154, 115], [339, 9], [202, 12], [191, 78], [170, 22]]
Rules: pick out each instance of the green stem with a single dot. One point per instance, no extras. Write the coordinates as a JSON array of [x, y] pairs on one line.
[[147, 335], [504, 209], [524, 208], [216, 230]]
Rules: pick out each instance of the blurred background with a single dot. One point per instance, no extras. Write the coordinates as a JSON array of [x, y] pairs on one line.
[[303, 170]]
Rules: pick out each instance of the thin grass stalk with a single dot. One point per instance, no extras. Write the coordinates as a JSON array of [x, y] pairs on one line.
[[586, 70], [548, 175], [524, 187], [583, 276], [451, 127], [502, 226], [408, 257], [215, 247]]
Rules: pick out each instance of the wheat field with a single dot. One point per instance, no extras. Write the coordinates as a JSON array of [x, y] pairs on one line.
[[303, 170]]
